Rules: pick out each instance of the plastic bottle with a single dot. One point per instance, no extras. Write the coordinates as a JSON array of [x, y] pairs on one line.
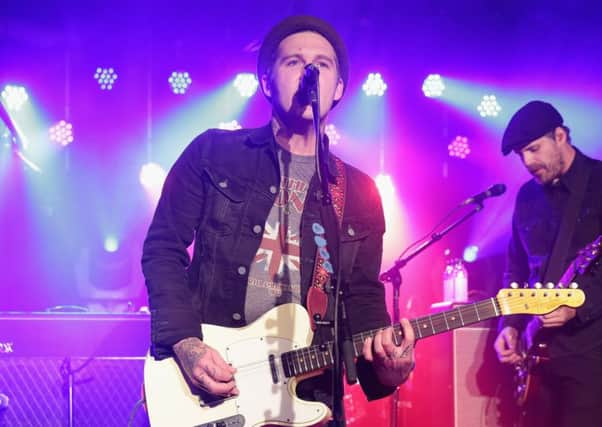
[[455, 281]]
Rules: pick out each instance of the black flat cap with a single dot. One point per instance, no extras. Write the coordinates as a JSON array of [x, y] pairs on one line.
[[298, 24], [531, 122]]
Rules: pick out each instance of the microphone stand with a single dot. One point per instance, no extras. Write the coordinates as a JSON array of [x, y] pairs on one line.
[[343, 352], [393, 276]]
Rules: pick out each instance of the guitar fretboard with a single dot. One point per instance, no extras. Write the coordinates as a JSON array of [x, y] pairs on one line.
[[308, 359]]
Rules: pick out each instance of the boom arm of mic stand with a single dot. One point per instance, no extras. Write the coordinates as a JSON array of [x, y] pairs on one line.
[[389, 275]]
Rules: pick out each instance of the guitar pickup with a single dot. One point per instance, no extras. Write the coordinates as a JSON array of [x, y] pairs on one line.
[[234, 421]]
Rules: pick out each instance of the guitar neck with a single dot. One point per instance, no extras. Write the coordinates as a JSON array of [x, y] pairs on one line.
[[309, 359]]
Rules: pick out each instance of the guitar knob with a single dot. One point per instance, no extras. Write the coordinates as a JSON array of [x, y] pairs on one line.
[[573, 285], [514, 285], [550, 285], [560, 285], [538, 285]]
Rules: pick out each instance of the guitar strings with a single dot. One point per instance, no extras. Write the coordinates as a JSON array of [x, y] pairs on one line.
[[492, 306]]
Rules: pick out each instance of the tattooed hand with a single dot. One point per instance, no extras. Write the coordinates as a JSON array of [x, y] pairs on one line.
[[205, 368], [392, 363]]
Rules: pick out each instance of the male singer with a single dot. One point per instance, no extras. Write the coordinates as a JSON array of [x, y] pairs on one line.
[[251, 203]]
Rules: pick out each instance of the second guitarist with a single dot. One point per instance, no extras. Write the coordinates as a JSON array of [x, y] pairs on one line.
[[558, 212]]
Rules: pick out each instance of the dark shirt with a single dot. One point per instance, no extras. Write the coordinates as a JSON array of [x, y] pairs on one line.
[[537, 217], [219, 194]]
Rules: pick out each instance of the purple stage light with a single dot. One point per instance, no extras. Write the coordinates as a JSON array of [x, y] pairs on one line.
[[111, 244], [385, 186], [62, 133], [105, 77], [152, 177], [374, 85], [333, 134], [433, 86], [470, 253], [5, 135], [179, 82], [14, 97], [459, 147], [246, 84], [489, 106]]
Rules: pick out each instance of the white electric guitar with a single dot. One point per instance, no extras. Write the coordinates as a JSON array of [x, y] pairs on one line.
[[273, 354]]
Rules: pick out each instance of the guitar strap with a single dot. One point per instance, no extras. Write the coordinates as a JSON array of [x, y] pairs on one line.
[[317, 298], [555, 264]]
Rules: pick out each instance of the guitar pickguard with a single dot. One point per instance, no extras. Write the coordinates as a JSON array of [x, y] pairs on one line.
[[172, 403]]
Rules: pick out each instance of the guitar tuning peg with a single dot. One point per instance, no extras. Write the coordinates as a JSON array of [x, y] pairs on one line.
[[550, 285], [560, 285], [525, 285], [573, 285], [538, 285], [513, 285]]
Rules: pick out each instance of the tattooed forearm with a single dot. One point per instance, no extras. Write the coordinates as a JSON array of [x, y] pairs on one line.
[[204, 367], [190, 350]]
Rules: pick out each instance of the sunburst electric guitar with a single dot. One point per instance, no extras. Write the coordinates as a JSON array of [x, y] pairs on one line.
[[273, 354], [533, 345]]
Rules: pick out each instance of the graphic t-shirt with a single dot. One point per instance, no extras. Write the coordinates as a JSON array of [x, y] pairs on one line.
[[275, 275]]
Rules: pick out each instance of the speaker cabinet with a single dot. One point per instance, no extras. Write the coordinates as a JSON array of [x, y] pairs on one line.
[[104, 391], [57, 366], [458, 382]]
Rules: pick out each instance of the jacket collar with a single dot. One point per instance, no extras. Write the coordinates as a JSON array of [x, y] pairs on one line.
[[264, 136], [571, 178]]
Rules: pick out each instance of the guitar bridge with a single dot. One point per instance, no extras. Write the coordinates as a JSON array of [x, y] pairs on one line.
[[234, 421]]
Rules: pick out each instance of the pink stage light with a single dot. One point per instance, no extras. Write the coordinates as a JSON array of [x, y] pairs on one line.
[[385, 187], [459, 147], [61, 133]]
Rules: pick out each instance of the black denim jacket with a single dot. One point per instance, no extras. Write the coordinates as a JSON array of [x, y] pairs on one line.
[[219, 194], [537, 216]]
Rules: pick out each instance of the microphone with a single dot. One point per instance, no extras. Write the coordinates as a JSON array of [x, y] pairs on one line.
[[308, 88], [493, 191]]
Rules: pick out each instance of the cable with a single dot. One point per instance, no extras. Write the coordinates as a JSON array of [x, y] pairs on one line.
[[134, 411]]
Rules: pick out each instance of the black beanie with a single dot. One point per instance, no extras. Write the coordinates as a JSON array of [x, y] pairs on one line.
[[531, 122], [297, 24]]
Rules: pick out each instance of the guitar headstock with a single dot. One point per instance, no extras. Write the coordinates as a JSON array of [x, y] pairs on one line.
[[538, 301], [587, 255], [582, 262]]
